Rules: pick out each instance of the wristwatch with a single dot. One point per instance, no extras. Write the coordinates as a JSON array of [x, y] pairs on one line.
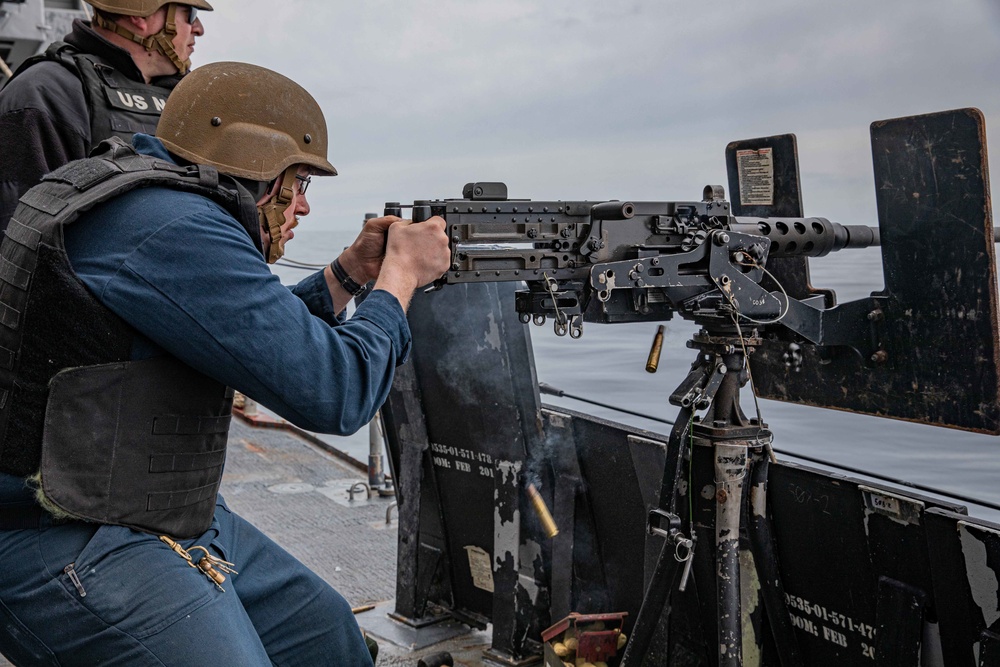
[[348, 283]]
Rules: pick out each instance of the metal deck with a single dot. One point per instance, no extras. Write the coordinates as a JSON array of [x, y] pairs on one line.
[[298, 494]]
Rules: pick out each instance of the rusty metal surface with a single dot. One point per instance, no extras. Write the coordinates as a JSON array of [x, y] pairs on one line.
[[469, 397], [837, 539], [934, 329], [965, 557]]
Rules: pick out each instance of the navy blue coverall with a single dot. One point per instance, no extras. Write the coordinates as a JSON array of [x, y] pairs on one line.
[[187, 277]]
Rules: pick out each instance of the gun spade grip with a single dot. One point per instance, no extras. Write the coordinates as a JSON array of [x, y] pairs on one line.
[[421, 210]]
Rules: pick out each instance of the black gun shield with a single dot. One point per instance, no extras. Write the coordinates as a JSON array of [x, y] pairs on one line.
[[936, 336], [461, 419]]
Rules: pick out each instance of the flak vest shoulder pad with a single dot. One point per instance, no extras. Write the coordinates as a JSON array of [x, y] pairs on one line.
[[134, 443], [118, 106]]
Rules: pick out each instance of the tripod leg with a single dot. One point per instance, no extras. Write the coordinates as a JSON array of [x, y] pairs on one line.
[[660, 587], [766, 558], [730, 471], [662, 582]]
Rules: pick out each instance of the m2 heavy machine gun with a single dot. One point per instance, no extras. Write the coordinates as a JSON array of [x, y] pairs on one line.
[[619, 261], [723, 549]]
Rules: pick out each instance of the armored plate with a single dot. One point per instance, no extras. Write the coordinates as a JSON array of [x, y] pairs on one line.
[[933, 333], [461, 420]]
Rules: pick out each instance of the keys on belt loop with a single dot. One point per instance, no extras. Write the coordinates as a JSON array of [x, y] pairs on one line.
[[208, 564]]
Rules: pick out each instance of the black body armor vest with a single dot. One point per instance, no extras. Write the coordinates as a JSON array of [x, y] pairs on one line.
[[135, 443], [118, 106]]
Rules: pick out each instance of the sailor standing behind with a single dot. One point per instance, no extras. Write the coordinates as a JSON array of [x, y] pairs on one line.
[[107, 78]]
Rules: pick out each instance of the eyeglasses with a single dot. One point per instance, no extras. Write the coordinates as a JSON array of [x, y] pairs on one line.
[[192, 14], [304, 182]]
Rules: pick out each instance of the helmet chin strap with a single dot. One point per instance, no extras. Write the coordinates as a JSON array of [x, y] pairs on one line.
[[162, 41], [272, 213]]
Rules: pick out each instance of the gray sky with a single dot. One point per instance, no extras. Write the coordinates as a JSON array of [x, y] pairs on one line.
[[609, 99]]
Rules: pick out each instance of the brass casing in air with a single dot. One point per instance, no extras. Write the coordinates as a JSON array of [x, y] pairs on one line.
[[542, 510], [653, 362]]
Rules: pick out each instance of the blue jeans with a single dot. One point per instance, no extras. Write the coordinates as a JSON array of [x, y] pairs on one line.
[[144, 605]]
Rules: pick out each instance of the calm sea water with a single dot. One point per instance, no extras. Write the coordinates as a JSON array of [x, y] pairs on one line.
[[607, 365]]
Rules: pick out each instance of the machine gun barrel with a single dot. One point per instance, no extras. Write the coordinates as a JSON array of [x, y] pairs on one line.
[[809, 237]]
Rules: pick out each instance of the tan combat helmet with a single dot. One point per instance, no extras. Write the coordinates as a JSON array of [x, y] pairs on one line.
[[248, 122], [161, 41]]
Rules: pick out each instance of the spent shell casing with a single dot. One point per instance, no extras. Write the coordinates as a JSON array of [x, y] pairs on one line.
[[653, 362], [542, 510]]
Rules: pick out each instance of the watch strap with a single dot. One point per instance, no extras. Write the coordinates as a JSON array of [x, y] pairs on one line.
[[352, 286]]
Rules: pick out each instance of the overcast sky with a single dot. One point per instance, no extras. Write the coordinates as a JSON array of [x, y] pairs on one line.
[[601, 99]]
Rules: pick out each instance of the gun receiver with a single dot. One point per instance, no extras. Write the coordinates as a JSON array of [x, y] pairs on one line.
[[615, 261]]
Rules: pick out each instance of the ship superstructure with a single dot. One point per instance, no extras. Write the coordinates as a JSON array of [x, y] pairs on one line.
[[28, 26]]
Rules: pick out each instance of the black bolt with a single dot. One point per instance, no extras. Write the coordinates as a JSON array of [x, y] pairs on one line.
[[216, 121]]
